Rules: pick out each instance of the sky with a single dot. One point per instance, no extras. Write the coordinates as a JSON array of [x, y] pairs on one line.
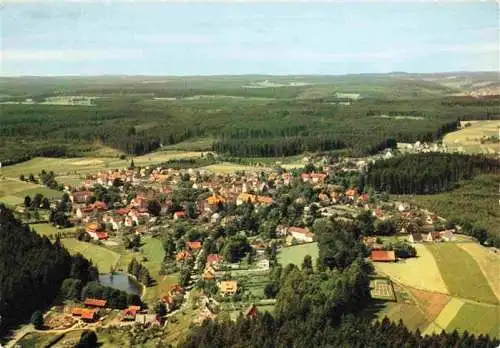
[[281, 38]]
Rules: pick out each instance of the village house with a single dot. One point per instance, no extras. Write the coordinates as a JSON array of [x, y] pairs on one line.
[[383, 256], [130, 313], [403, 207], [251, 312], [263, 264], [194, 246], [94, 303], [315, 178], [182, 255], [214, 260], [147, 319], [86, 315], [351, 193], [254, 199], [95, 231], [80, 197], [301, 234], [433, 236], [228, 287], [209, 273], [415, 237], [179, 215], [448, 235]]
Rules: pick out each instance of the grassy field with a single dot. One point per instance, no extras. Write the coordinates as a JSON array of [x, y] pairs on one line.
[[475, 200], [103, 258], [477, 319], [468, 138], [411, 315], [489, 263], [13, 191], [421, 272], [227, 167], [84, 165], [461, 273], [49, 229], [152, 251], [39, 340], [295, 254]]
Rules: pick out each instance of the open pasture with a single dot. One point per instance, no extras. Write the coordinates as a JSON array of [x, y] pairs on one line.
[[461, 273], [295, 254], [103, 258], [49, 229], [469, 138], [421, 272], [13, 191]]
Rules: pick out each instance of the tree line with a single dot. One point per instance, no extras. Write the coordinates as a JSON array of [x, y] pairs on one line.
[[427, 173]]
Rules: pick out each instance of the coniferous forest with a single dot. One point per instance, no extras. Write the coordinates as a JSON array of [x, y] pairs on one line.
[[323, 307], [32, 270], [138, 118], [427, 172]]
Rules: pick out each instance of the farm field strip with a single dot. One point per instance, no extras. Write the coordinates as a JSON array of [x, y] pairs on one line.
[[468, 138], [449, 312], [421, 272], [488, 262], [461, 273], [477, 319]]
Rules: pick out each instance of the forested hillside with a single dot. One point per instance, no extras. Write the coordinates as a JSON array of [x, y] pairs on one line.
[[360, 113], [32, 270], [427, 172]]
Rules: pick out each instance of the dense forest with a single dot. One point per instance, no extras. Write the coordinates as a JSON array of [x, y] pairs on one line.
[[427, 173], [323, 307], [33, 272], [138, 118]]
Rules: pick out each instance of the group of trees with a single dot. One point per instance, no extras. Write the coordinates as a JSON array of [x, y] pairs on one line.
[[427, 172], [140, 272], [38, 201]]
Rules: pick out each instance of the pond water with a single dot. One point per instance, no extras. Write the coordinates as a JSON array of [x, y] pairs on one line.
[[121, 281]]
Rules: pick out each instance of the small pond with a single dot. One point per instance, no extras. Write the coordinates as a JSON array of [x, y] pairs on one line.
[[121, 281]]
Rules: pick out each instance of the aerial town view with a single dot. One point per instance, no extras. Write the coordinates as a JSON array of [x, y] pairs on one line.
[[249, 174]]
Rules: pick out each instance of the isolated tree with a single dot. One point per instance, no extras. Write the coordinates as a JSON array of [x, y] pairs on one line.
[[45, 203], [88, 339], [37, 320], [154, 207], [37, 200], [307, 265], [27, 201], [160, 309]]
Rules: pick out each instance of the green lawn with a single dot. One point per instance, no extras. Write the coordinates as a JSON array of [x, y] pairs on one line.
[[13, 191], [103, 258], [49, 229], [295, 254], [461, 273], [477, 319]]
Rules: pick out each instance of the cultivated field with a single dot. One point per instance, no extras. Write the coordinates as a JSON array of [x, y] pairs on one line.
[[411, 315], [382, 289], [103, 258], [477, 319], [446, 316], [295, 254], [488, 261], [468, 138], [421, 272], [85, 165], [461, 273]]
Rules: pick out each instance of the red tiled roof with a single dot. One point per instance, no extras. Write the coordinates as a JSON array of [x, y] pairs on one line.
[[102, 235], [179, 214], [94, 302], [123, 211], [382, 255], [194, 245], [213, 258], [88, 314]]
